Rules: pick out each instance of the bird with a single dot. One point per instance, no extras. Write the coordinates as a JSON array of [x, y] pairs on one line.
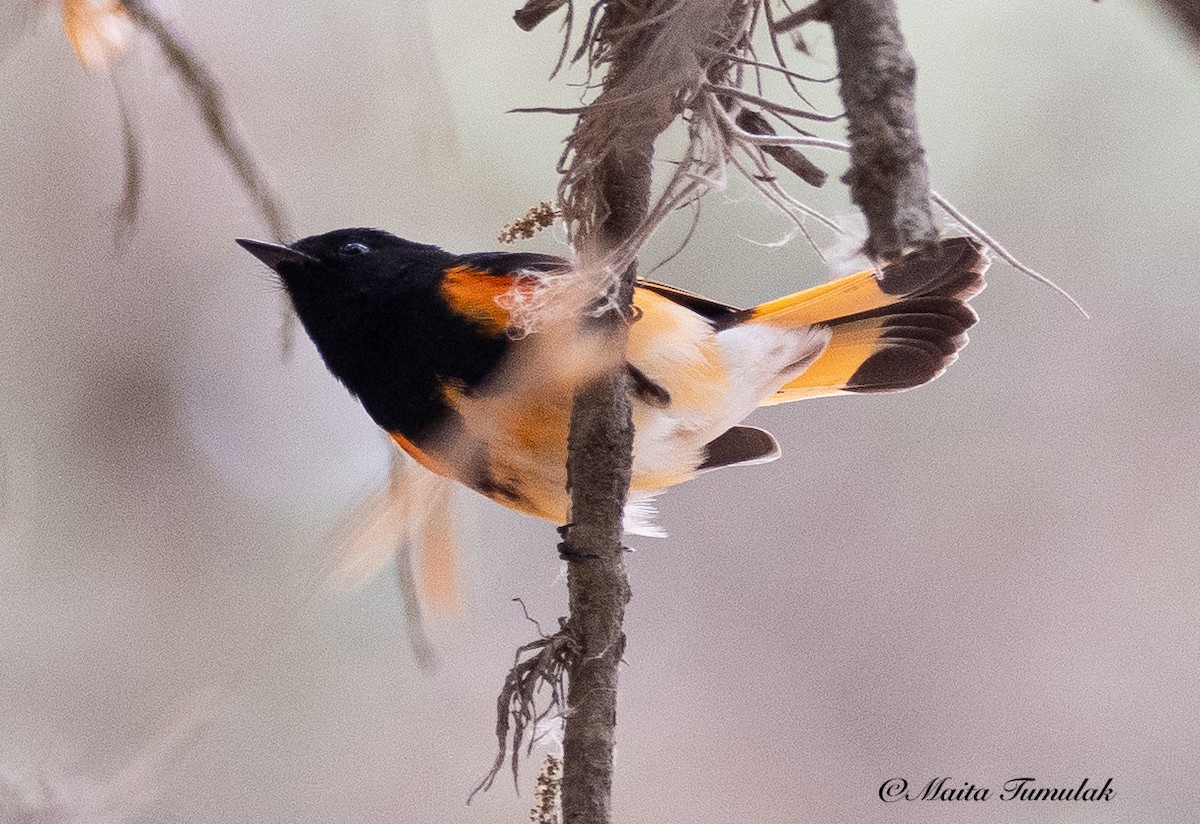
[[430, 343]]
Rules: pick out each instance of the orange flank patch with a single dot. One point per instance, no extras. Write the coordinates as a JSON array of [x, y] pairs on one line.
[[652, 481], [541, 428], [98, 30], [473, 293], [521, 433], [677, 349]]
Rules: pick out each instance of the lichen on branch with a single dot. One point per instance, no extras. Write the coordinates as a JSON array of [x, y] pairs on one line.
[[888, 177]]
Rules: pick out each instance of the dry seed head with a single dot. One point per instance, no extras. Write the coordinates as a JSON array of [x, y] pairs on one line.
[[533, 221], [546, 793]]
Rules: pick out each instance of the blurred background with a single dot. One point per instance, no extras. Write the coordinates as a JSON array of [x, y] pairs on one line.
[[989, 577]]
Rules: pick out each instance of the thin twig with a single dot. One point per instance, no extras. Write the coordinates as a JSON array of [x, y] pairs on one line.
[[785, 156], [777, 50], [131, 186], [572, 110], [208, 96], [987, 240], [814, 12], [530, 618], [568, 25], [758, 64], [774, 106], [534, 12], [777, 140]]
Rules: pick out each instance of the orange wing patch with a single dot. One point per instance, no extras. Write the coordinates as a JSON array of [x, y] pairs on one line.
[[678, 350]]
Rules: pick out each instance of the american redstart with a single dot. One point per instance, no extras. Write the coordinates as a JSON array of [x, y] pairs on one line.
[[425, 340]]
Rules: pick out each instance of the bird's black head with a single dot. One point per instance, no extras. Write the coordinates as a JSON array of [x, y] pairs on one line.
[[321, 271], [371, 303]]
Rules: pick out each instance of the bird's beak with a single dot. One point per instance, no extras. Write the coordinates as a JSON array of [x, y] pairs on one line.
[[273, 254]]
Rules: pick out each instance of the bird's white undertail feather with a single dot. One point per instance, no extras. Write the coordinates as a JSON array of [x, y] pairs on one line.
[[640, 513], [762, 358]]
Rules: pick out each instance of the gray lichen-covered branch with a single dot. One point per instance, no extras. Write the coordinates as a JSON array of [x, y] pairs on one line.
[[888, 177]]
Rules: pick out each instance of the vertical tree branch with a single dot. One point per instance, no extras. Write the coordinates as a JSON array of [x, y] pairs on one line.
[[600, 449], [599, 464], [888, 178], [606, 195]]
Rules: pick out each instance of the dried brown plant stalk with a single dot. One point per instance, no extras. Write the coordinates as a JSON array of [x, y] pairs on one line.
[[533, 221], [546, 795], [539, 666]]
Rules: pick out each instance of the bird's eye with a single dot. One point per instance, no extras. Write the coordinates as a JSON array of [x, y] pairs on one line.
[[352, 249]]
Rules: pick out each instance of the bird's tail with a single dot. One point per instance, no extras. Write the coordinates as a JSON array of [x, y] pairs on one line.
[[889, 332]]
